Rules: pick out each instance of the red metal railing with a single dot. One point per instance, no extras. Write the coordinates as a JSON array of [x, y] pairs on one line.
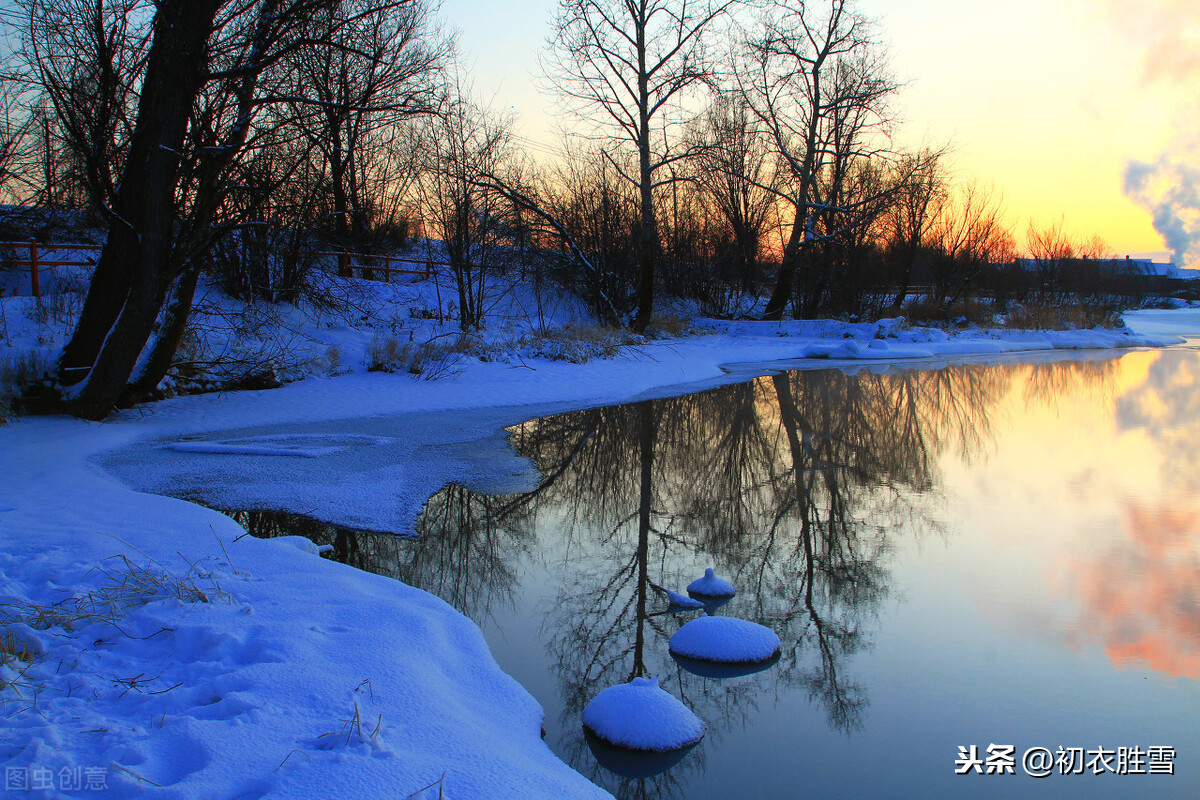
[[37, 262]]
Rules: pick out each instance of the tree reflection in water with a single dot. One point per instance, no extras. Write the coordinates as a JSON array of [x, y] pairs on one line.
[[791, 484], [464, 550], [794, 486]]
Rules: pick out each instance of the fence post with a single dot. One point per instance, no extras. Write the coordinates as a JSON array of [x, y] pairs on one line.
[[33, 268], [344, 264]]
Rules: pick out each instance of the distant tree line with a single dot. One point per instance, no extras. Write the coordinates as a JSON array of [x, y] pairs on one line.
[[728, 151]]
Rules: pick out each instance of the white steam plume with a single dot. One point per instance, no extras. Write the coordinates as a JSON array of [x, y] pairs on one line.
[[1170, 188]]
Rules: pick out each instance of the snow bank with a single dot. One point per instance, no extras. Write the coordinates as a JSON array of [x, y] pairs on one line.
[[213, 664], [641, 716], [725, 640]]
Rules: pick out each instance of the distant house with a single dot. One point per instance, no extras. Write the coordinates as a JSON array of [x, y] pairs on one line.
[[1167, 269], [1127, 265]]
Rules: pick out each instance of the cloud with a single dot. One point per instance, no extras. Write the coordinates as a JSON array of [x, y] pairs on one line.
[[1169, 187], [1169, 30], [1168, 33]]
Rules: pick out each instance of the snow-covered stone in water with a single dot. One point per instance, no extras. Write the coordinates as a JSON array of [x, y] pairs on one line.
[[641, 716], [678, 601], [711, 586], [725, 640]]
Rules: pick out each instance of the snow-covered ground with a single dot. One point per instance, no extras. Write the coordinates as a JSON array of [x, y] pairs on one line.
[[149, 646]]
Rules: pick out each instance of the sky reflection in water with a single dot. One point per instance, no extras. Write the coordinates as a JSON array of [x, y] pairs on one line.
[[971, 555]]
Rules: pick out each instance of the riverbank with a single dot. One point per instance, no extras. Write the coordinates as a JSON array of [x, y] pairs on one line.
[[151, 646]]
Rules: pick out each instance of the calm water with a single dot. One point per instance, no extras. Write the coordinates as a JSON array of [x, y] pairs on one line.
[[974, 555]]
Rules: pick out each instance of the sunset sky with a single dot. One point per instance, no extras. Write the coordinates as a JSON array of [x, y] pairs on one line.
[[1048, 100]]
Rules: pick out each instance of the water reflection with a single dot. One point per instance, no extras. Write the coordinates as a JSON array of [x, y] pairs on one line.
[[465, 548], [1166, 406], [799, 488], [1141, 597]]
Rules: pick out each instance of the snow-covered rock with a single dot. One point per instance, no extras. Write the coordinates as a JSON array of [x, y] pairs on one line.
[[681, 603], [711, 586], [725, 640], [640, 715]]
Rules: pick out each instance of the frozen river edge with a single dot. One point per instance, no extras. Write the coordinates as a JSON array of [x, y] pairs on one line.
[[161, 650]]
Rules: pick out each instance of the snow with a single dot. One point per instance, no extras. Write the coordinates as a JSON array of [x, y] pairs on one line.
[[711, 586], [678, 601], [1164, 322], [725, 640], [175, 656], [641, 716]]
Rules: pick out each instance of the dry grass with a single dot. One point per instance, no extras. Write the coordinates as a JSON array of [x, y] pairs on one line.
[[1018, 317], [428, 360], [1060, 317], [925, 311], [16, 658], [578, 344], [19, 369], [422, 793], [353, 730], [124, 587]]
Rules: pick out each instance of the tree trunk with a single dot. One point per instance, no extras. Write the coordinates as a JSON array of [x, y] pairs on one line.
[[648, 239], [134, 271], [782, 293], [162, 354]]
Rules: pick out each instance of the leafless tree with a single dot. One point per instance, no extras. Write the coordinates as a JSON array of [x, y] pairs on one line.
[[628, 66], [736, 172], [817, 82], [85, 59], [175, 177], [968, 235], [1050, 248], [350, 99], [15, 135], [910, 217], [465, 144], [583, 216]]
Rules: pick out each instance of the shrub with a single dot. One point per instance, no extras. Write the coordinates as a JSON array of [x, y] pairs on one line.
[[430, 360]]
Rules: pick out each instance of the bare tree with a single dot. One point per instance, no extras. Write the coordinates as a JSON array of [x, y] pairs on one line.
[[15, 130], [349, 99], [583, 215], [817, 82], [173, 181], [85, 58], [736, 172], [465, 145], [968, 236], [1050, 248], [628, 65], [911, 215]]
